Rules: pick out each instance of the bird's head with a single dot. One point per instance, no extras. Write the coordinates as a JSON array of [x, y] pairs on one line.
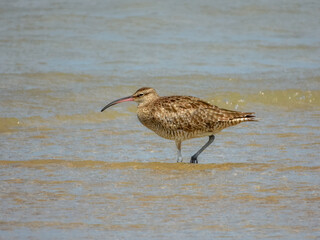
[[142, 96]]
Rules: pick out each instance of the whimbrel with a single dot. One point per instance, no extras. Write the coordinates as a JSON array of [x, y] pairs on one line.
[[180, 118]]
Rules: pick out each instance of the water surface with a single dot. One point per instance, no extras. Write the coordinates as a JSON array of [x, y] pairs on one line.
[[68, 171]]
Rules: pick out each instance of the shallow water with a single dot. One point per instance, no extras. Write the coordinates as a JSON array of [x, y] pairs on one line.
[[68, 171]]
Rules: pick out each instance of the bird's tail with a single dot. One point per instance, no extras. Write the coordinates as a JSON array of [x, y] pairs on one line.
[[230, 115], [247, 116], [241, 117], [232, 118]]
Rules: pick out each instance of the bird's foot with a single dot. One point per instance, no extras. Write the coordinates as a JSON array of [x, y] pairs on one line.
[[194, 160]]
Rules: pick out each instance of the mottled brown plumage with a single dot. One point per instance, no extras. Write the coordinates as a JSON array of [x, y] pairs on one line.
[[180, 118]]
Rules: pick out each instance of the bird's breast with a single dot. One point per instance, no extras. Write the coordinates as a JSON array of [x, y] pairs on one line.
[[145, 117], [152, 120]]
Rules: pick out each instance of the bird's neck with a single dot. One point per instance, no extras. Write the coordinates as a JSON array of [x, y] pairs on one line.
[[147, 102]]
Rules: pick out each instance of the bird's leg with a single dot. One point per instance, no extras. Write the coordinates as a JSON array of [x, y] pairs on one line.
[[194, 158], [179, 156]]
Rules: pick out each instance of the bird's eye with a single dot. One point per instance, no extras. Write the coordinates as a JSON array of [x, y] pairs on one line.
[[140, 95]]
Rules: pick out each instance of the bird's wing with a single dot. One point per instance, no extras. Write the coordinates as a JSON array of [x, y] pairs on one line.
[[185, 113], [191, 114]]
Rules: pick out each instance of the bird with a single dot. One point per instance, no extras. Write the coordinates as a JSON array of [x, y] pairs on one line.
[[180, 118]]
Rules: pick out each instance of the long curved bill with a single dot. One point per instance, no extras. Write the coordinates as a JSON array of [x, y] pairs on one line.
[[125, 99]]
